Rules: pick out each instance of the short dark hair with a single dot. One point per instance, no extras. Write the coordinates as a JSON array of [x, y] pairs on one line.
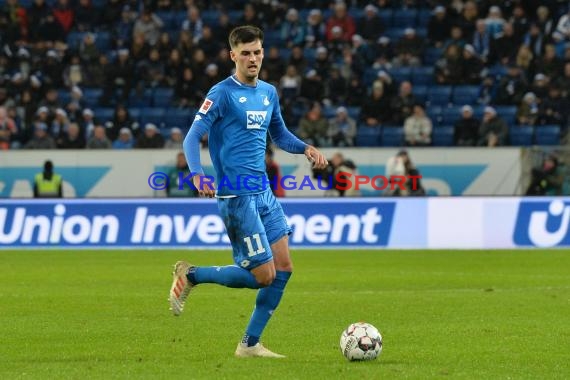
[[245, 34]]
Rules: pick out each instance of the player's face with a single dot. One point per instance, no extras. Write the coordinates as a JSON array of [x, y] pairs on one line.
[[248, 58]]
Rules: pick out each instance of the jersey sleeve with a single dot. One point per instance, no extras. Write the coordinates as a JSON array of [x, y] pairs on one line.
[[210, 111], [279, 133]]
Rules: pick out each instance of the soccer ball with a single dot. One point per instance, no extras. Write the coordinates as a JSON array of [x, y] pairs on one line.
[[361, 341]]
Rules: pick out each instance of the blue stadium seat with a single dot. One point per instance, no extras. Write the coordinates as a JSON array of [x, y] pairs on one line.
[[104, 114], [507, 113], [354, 112], [179, 117], [92, 96], [393, 136], [73, 39], [140, 99], [465, 95], [400, 74], [521, 135], [404, 18], [152, 115], [168, 18], [450, 115], [443, 136], [210, 17], [103, 41], [547, 135], [431, 55], [385, 15], [369, 76], [135, 114], [422, 75], [435, 114], [272, 37], [424, 15], [63, 96], [162, 97], [368, 136], [420, 93], [439, 95]]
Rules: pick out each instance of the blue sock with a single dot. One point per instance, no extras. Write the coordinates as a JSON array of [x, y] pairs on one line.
[[231, 276], [267, 300]]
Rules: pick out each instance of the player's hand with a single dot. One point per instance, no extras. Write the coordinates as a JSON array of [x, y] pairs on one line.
[[316, 157], [205, 185]]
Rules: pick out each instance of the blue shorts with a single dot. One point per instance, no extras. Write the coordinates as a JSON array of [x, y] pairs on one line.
[[253, 223]]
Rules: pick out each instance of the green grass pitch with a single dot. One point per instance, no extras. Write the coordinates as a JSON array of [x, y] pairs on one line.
[[443, 314]]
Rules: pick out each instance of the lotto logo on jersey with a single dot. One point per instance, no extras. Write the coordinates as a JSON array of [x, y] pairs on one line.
[[255, 119], [206, 106]]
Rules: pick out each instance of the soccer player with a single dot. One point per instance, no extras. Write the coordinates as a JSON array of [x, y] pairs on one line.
[[237, 114]]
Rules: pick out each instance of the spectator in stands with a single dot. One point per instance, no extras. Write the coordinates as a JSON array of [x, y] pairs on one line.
[[175, 187], [390, 89], [511, 87], [151, 70], [313, 126], [519, 21], [151, 138], [402, 104], [125, 139], [493, 130], [8, 129], [562, 33], [88, 51], [122, 31], [343, 20], [534, 40], [111, 13], [482, 40], [548, 63], [402, 165], [149, 25], [456, 38], [312, 87], [527, 112], [74, 74], [384, 52], [64, 14], [175, 140], [376, 108], [41, 139], [76, 104], [193, 23], [208, 43], [371, 26], [355, 93], [439, 26], [273, 173], [290, 84], [342, 129], [544, 20], [121, 119], [59, 124], [547, 180], [466, 128], [88, 123], [43, 115], [315, 33], [250, 16], [525, 60], [504, 47], [37, 15], [25, 109], [335, 87], [71, 138], [225, 64], [224, 26], [363, 53], [164, 45], [418, 127], [449, 68], [555, 108], [409, 49], [121, 78], [84, 19], [293, 29], [298, 59], [322, 64], [471, 66], [468, 19], [173, 68], [99, 140], [540, 85], [338, 167], [187, 91], [495, 21], [274, 65], [51, 32]]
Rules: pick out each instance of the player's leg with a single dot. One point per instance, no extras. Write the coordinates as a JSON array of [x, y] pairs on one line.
[[250, 249], [269, 298]]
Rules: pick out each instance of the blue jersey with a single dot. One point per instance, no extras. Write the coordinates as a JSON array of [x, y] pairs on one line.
[[237, 118]]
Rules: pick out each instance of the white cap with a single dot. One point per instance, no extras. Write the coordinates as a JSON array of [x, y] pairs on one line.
[[409, 31], [341, 109], [322, 50], [315, 12], [490, 110], [383, 74], [439, 9], [76, 90], [540, 76], [336, 29], [125, 130], [42, 110], [87, 112], [469, 48], [370, 8], [150, 126], [494, 9], [123, 51], [383, 40], [529, 96], [61, 111], [175, 130], [52, 53], [466, 108], [311, 73], [357, 38], [211, 67]]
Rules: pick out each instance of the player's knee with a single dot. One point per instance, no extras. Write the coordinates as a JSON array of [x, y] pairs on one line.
[[285, 267], [265, 279]]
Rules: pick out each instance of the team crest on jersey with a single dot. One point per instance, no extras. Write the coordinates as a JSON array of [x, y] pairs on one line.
[[255, 119], [205, 106]]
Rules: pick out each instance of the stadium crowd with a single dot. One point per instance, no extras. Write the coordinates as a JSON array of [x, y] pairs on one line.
[[123, 74]]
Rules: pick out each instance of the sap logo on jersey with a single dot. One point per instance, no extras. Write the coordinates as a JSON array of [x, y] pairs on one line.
[[255, 119], [543, 224]]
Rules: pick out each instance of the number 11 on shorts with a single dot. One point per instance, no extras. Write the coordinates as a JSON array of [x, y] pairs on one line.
[[250, 251]]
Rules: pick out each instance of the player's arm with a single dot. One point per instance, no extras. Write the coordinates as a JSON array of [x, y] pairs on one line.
[[287, 141], [205, 117]]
